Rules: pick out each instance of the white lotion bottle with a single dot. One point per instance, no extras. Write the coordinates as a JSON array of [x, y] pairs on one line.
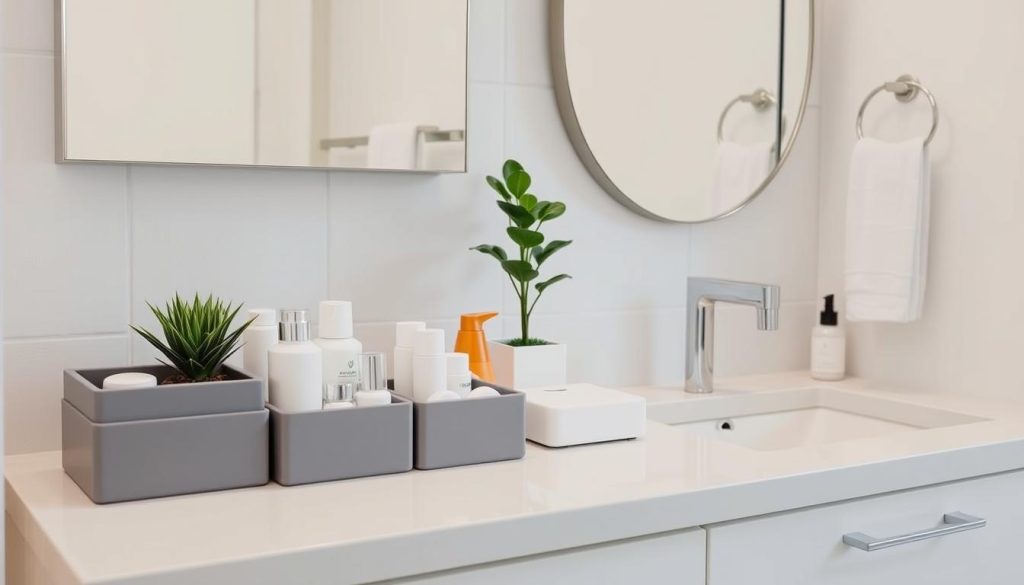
[[405, 333], [295, 366], [429, 364], [258, 338], [459, 380], [341, 350], [828, 345]]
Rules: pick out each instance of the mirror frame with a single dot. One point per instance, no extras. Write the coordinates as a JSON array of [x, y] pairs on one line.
[[60, 118], [563, 96]]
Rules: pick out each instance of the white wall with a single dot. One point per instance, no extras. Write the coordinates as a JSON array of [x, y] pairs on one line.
[[86, 246], [970, 55]]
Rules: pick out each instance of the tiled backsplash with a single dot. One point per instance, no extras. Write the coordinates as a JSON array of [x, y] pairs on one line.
[[86, 246]]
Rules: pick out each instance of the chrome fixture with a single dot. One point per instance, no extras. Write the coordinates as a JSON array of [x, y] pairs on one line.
[[760, 99], [702, 295], [951, 524], [906, 88]]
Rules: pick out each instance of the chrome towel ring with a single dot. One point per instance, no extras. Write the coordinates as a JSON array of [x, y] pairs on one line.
[[761, 99], [906, 89]]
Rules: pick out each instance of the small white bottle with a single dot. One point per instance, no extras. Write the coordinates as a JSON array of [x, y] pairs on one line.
[[828, 345], [459, 379], [341, 350], [373, 381], [339, 396], [295, 366], [258, 337], [429, 365], [405, 332]]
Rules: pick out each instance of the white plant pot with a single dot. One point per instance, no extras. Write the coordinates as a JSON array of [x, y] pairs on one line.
[[521, 368]]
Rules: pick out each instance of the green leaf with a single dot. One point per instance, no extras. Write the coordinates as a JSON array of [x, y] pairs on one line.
[[518, 214], [520, 270], [510, 166], [538, 209], [518, 183], [553, 210], [493, 251], [525, 238], [542, 254], [499, 187], [528, 201], [541, 286]]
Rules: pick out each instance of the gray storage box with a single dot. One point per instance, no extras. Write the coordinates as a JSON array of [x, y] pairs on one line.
[[470, 431], [328, 445], [121, 445]]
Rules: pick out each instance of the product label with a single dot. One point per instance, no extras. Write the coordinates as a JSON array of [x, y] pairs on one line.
[[345, 372], [828, 354]]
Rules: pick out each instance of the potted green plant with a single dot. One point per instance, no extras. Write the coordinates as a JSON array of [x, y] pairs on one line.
[[525, 361], [202, 427]]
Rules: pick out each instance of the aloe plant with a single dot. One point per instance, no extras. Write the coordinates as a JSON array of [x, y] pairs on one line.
[[198, 337], [526, 215]]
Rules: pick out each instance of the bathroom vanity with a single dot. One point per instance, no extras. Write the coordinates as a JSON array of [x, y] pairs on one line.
[[758, 482]]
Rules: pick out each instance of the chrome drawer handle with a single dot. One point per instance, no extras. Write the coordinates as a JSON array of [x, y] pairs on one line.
[[951, 523]]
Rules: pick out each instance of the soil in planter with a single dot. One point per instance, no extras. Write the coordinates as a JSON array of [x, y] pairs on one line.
[[179, 379]]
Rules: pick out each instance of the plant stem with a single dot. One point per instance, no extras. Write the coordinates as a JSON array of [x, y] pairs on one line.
[[524, 315]]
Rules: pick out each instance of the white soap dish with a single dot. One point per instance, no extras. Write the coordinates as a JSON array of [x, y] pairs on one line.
[[579, 414]]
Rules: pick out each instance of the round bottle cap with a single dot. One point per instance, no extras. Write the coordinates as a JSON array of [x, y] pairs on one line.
[[129, 381], [294, 325], [339, 392], [264, 317], [457, 363], [405, 332], [429, 342], [335, 319]]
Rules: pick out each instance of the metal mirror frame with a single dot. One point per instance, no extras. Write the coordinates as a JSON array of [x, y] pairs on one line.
[[563, 95], [60, 117]]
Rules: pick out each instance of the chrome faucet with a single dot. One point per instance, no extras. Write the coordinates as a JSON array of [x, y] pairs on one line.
[[702, 294]]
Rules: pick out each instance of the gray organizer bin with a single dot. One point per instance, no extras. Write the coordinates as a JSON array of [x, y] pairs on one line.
[[121, 445], [470, 431], [328, 445]]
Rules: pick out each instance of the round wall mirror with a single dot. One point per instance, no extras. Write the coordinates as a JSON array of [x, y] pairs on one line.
[[683, 110]]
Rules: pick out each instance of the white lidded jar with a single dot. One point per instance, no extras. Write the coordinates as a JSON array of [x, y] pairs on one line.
[[341, 350], [405, 332], [258, 337], [429, 364], [460, 381], [294, 366], [828, 345]]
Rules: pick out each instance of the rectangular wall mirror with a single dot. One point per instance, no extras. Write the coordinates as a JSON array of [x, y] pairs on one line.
[[340, 84]]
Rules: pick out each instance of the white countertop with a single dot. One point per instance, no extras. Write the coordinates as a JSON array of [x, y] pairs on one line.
[[385, 527]]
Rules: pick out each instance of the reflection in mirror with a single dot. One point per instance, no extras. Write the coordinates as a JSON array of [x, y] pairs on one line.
[[358, 84], [677, 106]]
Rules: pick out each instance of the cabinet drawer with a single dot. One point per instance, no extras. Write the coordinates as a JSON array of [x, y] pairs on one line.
[[675, 558], [806, 547]]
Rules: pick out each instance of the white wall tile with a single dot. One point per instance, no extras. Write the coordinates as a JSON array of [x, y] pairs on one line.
[[618, 259], [775, 238], [65, 249], [252, 236], [34, 383], [487, 40], [27, 25], [526, 42], [400, 243]]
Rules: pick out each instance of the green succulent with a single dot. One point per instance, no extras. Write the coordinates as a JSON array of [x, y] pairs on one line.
[[526, 214], [198, 336]]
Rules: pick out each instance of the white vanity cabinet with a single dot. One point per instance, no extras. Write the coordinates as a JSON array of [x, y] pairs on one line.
[[675, 558], [806, 547]]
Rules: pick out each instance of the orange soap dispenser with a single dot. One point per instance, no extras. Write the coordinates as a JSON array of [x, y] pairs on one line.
[[471, 340]]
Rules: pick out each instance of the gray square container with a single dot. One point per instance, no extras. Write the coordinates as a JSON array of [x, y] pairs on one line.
[[121, 445], [470, 431], [328, 445]]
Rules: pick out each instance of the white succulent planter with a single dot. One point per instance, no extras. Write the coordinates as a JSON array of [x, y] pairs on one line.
[[521, 368]]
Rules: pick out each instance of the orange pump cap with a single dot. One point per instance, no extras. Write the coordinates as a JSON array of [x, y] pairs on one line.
[[474, 321]]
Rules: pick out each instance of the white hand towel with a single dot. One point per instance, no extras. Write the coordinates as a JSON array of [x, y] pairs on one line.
[[887, 211], [739, 171], [393, 146]]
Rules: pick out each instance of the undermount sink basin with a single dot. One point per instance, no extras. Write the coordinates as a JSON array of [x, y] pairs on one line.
[[788, 419]]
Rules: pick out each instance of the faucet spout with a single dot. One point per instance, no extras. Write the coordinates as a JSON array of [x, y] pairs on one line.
[[703, 294]]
